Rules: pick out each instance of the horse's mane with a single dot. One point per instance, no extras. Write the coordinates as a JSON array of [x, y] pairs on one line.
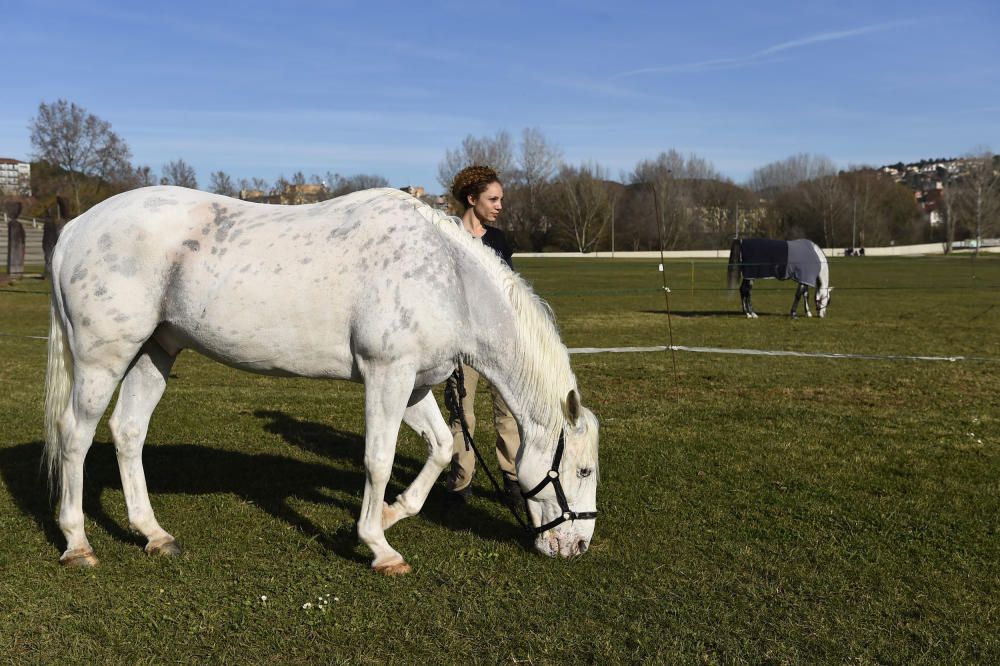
[[541, 364]]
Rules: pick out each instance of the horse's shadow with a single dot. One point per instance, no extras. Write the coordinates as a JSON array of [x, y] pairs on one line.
[[268, 481]]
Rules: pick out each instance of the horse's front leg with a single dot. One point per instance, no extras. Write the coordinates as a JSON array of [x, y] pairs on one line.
[[387, 389], [425, 418], [800, 290], [805, 293]]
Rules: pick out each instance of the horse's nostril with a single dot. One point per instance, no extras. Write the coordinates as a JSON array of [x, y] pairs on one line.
[[581, 546]]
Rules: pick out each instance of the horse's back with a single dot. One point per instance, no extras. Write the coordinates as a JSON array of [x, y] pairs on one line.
[[278, 289], [806, 262], [763, 258]]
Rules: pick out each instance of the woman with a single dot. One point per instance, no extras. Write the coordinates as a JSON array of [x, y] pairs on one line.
[[478, 190]]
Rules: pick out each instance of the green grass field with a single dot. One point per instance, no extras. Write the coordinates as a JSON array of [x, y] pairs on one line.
[[753, 509]]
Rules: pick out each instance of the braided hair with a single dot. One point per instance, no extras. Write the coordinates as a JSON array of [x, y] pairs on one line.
[[472, 181]]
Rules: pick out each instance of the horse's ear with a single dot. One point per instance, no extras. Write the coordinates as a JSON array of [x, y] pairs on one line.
[[573, 407]]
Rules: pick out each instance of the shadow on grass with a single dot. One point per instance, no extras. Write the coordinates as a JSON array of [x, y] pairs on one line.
[[711, 313], [268, 481]]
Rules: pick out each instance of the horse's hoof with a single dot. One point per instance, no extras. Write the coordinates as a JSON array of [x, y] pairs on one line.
[[394, 569], [78, 558], [164, 547]]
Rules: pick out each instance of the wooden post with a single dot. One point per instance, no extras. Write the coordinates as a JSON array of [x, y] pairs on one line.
[[15, 249], [53, 227], [50, 235]]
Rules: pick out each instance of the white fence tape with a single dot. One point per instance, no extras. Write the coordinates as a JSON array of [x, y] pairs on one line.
[[714, 350], [765, 352]]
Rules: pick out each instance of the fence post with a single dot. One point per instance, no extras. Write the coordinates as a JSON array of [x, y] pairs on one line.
[[15, 249], [50, 234]]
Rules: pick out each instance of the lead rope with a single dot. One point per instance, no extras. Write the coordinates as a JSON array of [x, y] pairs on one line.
[[453, 401]]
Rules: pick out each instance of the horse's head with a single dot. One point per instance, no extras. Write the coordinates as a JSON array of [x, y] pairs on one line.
[[822, 300], [560, 486]]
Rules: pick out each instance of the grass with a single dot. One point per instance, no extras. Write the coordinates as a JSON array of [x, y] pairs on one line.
[[753, 509]]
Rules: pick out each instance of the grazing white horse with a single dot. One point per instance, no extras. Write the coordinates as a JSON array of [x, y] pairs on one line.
[[374, 287]]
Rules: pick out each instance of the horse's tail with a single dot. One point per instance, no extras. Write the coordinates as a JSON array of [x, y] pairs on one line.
[[735, 259], [58, 384]]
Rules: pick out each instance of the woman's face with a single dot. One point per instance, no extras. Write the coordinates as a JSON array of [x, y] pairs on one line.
[[489, 204]]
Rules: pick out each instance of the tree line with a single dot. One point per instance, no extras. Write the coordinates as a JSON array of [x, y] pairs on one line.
[[672, 201]]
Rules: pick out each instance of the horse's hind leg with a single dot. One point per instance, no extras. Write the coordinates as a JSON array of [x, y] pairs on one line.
[[425, 418], [93, 386], [745, 288], [140, 392]]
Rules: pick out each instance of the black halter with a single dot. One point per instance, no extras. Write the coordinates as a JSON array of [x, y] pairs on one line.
[[553, 477], [453, 400]]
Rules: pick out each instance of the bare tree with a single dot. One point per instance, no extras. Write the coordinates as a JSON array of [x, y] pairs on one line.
[[790, 171], [674, 182], [828, 198], [142, 176], [537, 162], [179, 173], [981, 194], [537, 159], [496, 152], [948, 199], [585, 204], [82, 144], [338, 185], [280, 185], [222, 184]]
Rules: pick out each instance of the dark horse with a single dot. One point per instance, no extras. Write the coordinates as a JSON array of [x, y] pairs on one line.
[[799, 260]]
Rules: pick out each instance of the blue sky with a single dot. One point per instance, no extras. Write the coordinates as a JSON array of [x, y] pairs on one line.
[[267, 89]]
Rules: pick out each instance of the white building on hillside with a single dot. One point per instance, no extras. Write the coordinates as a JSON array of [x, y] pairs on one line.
[[15, 176]]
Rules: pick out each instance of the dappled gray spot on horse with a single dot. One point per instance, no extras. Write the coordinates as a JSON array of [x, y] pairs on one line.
[[128, 267], [155, 203]]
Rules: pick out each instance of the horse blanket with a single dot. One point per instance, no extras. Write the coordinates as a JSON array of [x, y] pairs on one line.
[[785, 260]]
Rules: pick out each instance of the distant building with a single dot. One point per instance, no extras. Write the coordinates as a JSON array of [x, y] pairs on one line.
[[15, 177], [291, 195], [302, 194]]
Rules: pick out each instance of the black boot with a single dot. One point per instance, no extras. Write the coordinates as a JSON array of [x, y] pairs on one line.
[[512, 490], [460, 496]]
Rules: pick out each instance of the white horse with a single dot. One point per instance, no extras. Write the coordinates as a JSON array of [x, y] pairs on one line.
[[374, 287]]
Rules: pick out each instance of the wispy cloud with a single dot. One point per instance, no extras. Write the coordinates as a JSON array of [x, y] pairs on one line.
[[764, 55], [592, 87]]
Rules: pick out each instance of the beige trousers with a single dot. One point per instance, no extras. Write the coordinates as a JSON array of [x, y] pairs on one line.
[[463, 463]]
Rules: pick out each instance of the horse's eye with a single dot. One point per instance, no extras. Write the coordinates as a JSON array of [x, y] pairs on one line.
[[584, 472]]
